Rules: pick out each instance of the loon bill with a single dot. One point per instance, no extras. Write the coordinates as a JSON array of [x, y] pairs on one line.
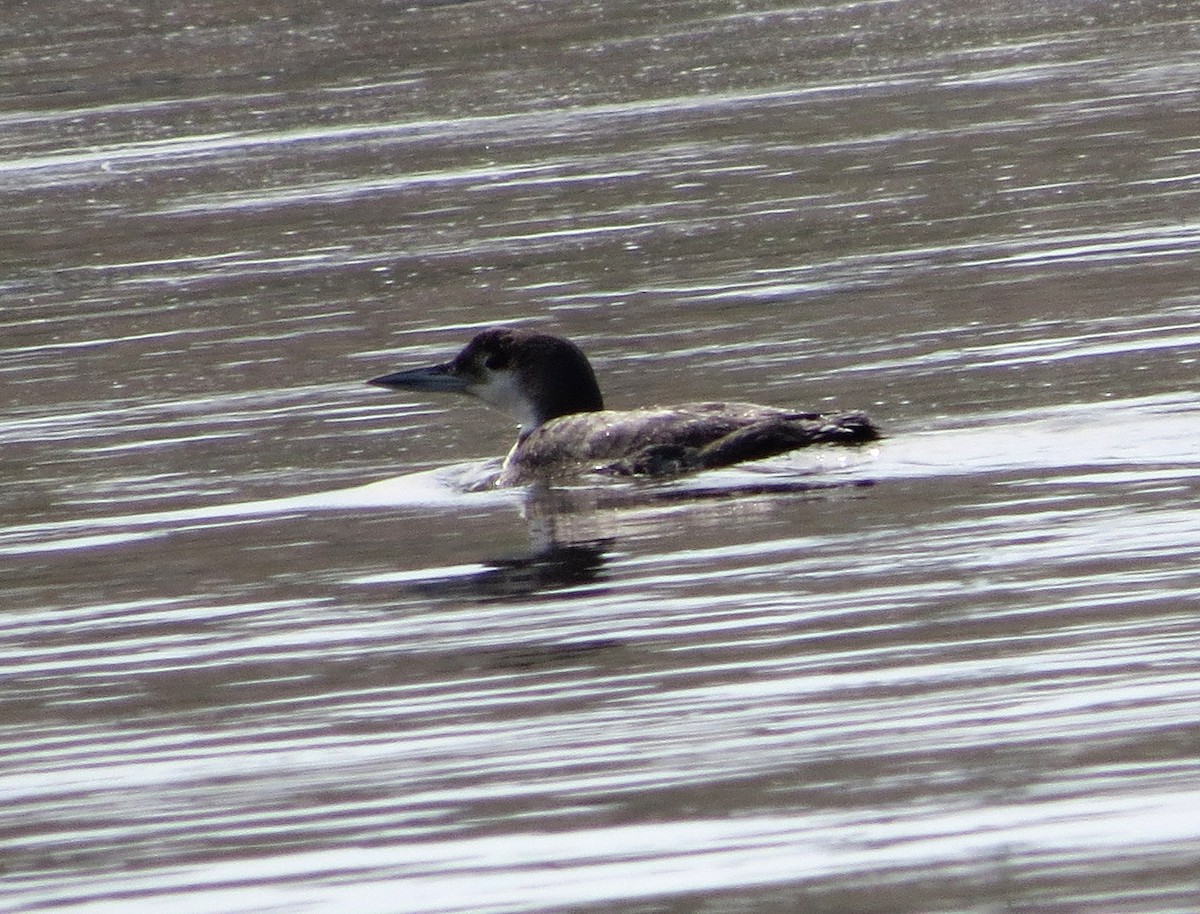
[[548, 385]]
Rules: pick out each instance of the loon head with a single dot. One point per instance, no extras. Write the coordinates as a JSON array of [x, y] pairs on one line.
[[534, 376]]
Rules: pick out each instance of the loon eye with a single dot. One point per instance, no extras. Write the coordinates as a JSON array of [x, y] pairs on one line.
[[496, 361]]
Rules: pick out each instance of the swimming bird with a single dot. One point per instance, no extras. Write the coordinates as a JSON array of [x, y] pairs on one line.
[[548, 385]]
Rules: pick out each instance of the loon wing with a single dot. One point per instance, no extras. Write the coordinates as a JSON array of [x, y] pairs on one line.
[[757, 441]]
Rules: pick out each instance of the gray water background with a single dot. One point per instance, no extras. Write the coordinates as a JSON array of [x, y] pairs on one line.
[[259, 650]]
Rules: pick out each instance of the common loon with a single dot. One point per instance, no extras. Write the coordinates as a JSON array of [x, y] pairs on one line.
[[548, 385]]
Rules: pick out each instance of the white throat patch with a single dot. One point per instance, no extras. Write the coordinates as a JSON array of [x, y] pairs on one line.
[[504, 391]]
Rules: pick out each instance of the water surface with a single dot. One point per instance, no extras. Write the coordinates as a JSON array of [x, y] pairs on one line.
[[262, 651]]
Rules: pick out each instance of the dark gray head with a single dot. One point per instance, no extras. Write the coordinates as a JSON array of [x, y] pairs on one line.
[[534, 376]]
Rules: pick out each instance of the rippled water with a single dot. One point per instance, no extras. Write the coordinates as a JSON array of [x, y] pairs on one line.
[[261, 651]]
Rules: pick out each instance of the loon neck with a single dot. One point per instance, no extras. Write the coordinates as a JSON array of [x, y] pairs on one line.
[[553, 379], [533, 419]]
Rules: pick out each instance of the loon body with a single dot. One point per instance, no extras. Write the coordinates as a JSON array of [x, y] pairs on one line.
[[548, 385]]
